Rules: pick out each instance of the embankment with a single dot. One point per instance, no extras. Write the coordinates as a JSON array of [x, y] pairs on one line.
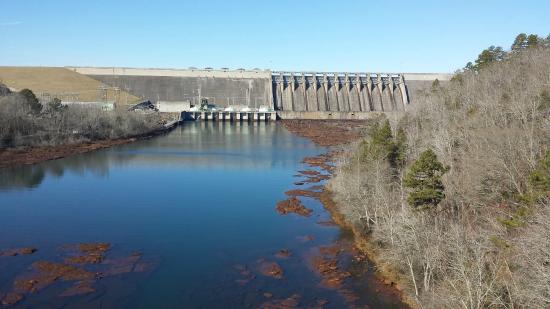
[[335, 134]]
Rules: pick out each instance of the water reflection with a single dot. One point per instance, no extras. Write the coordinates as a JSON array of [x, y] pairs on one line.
[[24, 177], [192, 145], [31, 176], [200, 200], [214, 144]]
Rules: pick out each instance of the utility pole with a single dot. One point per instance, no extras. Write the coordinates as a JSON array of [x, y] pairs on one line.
[[102, 93], [117, 95]]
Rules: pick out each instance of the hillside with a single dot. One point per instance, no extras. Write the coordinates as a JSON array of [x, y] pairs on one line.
[[453, 197], [62, 83]]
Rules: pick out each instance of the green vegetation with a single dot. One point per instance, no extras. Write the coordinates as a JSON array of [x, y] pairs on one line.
[[496, 53], [30, 100], [516, 219], [539, 178], [488, 56], [424, 178], [382, 145], [479, 148]]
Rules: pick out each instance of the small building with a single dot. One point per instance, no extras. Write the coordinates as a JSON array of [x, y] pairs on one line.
[[143, 106]]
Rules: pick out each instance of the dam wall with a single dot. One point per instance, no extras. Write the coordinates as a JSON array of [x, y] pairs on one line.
[[295, 94], [220, 87]]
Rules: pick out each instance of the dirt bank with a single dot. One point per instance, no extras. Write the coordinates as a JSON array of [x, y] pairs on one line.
[[327, 132], [387, 275], [34, 155], [337, 133]]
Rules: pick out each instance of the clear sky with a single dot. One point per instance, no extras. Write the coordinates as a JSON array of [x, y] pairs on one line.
[[322, 35]]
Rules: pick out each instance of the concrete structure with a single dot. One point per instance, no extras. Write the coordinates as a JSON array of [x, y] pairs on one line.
[[339, 92], [108, 106], [327, 115], [339, 95], [173, 106], [220, 87], [230, 116]]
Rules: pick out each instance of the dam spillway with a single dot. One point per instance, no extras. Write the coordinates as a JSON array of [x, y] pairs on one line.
[[315, 95], [339, 92]]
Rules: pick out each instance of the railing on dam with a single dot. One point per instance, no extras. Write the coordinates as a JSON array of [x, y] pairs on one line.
[[339, 92]]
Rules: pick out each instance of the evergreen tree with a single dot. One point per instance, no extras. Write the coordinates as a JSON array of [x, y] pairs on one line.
[[400, 148], [520, 42], [488, 56], [533, 40], [382, 136], [424, 179], [470, 67], [31, 100], [382, 144]]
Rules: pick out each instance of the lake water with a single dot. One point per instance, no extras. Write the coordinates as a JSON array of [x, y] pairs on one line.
[[197, 203]]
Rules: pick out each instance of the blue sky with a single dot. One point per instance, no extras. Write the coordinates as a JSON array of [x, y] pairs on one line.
[[323, 35]]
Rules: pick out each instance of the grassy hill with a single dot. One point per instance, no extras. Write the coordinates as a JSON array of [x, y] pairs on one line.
[[59, 82]]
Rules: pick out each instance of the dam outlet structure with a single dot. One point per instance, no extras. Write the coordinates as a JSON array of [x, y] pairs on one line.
[[348, 93]]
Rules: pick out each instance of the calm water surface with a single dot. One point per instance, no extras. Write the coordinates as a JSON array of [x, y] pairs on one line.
[[196, 202]]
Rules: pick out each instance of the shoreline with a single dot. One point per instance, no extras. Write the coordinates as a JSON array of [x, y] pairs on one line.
[[328, 134], [385, 273], [338, 133], [10, 158]]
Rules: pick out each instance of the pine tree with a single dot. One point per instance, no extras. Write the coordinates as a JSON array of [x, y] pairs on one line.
[[424, 180], [381, 144], [31, 100], [490, 55], [470, 67], [400, 149], [382, 135], [520, 42], [533, 40]]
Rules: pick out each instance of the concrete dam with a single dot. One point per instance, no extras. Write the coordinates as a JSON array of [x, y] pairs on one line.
[[307, 95], [339, 92]]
